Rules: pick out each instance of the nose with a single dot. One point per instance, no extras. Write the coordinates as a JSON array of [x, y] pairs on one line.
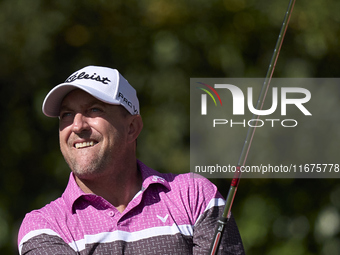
[[80, 123]]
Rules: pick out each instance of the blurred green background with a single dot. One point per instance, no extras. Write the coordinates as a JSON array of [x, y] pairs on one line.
[[158, 45]]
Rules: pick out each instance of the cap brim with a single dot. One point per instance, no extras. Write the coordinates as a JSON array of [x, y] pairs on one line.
[[53, 100]]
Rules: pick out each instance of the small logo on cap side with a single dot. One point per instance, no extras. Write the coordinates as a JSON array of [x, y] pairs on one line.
[[84, 75], [127, 102]]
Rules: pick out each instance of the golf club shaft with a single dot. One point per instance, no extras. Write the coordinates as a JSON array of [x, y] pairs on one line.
[[250, 134]]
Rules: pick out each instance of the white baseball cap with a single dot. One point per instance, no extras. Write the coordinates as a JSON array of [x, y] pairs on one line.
[[105, 84]]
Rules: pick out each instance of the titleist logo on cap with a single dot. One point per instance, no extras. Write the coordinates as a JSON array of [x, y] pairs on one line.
[[84, 75]]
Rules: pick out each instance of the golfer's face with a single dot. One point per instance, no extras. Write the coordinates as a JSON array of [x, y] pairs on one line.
[[92, 134]]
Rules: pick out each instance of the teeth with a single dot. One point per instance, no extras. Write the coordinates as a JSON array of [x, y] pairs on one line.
[[84, 144]]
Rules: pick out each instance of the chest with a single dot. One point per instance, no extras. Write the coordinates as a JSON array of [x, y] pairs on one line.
[[149, 225]]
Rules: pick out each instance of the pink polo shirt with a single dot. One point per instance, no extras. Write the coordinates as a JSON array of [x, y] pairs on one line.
[[172, 214]]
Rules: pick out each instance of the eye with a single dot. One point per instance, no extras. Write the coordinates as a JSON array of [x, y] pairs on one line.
[[95, 111], [66, 115]]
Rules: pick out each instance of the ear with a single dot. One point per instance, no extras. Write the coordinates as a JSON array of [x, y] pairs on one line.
[[135, 127]]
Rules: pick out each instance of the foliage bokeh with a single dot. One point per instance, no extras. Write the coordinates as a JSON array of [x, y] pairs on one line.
[[158, 45]]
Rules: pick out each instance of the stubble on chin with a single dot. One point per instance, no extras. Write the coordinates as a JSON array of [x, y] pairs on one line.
[[88, 168]]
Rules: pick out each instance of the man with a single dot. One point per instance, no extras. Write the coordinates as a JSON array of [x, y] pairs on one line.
[[113, 203]]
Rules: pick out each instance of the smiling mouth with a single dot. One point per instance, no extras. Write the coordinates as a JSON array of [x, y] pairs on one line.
[[84, 145]]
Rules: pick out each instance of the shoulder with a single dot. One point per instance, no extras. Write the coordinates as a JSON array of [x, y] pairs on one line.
[[194, 183], [42, 221], [181, 181], [195, 192]]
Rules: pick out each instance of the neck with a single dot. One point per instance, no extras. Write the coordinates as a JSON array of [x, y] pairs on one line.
[[118, 186]]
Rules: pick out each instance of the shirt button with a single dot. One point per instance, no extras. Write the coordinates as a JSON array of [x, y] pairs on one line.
[[111, 213]]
